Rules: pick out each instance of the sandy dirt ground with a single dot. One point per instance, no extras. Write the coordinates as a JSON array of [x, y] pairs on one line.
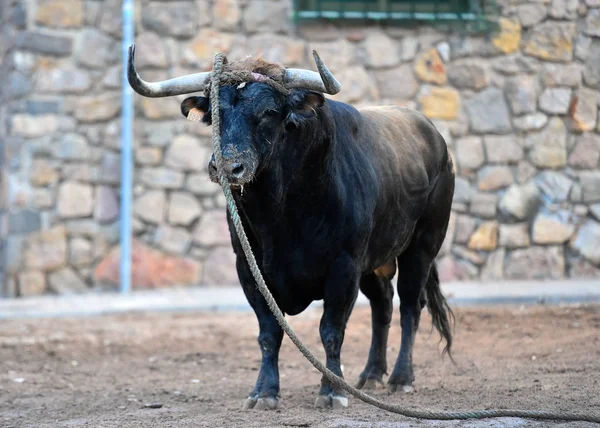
[[195, 370]]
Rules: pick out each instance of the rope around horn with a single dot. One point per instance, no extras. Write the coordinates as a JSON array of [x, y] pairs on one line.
[[219, 61]]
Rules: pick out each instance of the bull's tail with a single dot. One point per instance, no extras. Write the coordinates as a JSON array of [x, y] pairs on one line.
[[440, 311]]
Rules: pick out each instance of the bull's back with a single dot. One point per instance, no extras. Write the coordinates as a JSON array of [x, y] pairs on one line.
[[408, 154]]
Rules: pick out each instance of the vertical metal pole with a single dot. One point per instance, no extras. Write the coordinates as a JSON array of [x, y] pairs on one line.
[[126, 152]]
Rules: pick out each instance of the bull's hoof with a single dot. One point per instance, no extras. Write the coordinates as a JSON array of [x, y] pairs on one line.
[[262, 403], [392, 388], [331, 402], [369, 384]]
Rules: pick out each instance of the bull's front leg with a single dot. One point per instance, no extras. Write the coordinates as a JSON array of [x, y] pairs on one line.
[[265, 395], [341, 290]]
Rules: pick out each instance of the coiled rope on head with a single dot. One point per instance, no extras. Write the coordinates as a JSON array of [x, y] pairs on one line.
[[219, 61]]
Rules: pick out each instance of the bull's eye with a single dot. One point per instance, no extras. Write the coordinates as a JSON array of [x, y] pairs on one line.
[[271, 113]]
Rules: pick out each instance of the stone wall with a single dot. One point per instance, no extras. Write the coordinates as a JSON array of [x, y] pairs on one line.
[[519, 110]]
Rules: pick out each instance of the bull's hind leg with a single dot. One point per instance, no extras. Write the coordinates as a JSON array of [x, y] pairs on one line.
[[418, 282], [380, 292]]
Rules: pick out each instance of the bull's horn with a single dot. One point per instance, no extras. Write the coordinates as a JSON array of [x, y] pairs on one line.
[[165, 88], [323, 81]]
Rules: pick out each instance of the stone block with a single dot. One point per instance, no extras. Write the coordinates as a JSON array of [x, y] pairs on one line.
[[66, 282], [465, 226], [595, 211], [484, 204], [468, 75], [404, 88], [551, 41], [502, 149], [469, 153], [43, 173], [521, 201], [555, 100], [552, 229], [177, 20], [150, 268], [106, 209], [586, 153], [200, 50], [105, 50], [227, 14], [590, 185], [112, 78], [60, 13], [564, 9], [493, 270], [150, 206], [31, 283], [592, 23], [187, 154], [24, 221], [554, 74], [430, 68], [98, 108], [488, 112], [44, 43], [485, 237], [554, 185], [549, 146], [80, 252], [72, 147], [151, 51], [591, 70], [468, 255], [586, 241], [220, 267], [33, 126], [451, 269], [449, 238], [67, 80], [521, 92], [462, 191], [531, 14], [358, 84], [171, 239], [509, 37], [439, 103], [161, 108], [287, 50], [46, 250], [161, 178], [266, 16], [580, 268], [74, 200], [536, 263], [514, 235], [530, 122], [583, 111], [493, 177], [375, 44], [183, 209], [199, 184], [150, 156], [212, 229]]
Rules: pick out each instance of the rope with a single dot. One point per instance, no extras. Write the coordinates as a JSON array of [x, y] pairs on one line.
[[219, 60]]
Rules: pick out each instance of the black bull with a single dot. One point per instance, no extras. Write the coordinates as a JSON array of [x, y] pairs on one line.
[[335, 200]]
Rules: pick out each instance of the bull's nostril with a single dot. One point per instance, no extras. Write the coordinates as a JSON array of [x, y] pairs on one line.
[[237, 169]]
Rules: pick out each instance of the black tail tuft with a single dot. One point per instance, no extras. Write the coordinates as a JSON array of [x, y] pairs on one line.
[[441, 314]]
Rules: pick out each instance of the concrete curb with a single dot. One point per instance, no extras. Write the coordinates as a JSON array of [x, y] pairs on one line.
[[207, 299]]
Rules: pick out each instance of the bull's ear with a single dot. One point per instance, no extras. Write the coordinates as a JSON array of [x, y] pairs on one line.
[[200, 104], [304, 106], [311, 102]]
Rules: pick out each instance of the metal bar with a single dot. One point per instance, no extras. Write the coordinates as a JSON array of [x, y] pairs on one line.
[[126, 152]]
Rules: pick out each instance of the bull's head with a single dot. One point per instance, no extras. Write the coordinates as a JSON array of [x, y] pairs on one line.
[[254, 116]]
